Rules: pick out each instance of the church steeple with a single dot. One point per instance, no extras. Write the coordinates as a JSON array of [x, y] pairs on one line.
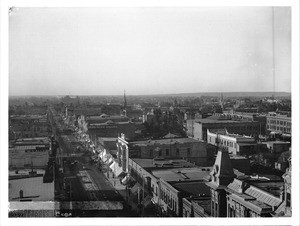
[[125, 101]]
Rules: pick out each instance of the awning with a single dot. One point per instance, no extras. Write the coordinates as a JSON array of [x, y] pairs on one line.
[[135, 188], [105, 157], [125, 180], [110, 160], [116, 169], [147, 201], [274, 132]]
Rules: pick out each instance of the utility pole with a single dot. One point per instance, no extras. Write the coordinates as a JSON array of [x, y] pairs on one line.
[[143, 196]]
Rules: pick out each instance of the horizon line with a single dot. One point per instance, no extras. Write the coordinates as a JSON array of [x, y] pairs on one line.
[[160, 94]]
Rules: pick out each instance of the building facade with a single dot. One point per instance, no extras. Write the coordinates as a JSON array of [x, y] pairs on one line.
[[279, 124], [28, 126], [235, 144], [30, 152], [192, 150], [244, 196], [198, 128]]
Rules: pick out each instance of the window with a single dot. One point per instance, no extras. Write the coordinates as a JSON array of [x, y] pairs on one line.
[[231, 211], [151, 153], [188, 151], [246, 213], [159, 152], [288, 199], [167, 152], [177, 151]]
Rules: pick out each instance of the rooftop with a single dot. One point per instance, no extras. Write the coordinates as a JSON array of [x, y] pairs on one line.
[[108, 139], [164, 141], [275, 142], [170, 163], [274, 188], [109, 122], [105, 116], [237, 157], [208, 120], [32, 141], [204, 203], [263, 196], [183, 174], [21, 117], [33, 189], [198, 188], [218, 131]]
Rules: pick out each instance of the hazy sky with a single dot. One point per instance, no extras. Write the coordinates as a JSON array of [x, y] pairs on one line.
[[84, 51]]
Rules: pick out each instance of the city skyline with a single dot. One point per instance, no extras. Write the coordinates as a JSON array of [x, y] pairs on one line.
[[63, 51]]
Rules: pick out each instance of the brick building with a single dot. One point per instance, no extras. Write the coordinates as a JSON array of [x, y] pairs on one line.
[[197, 152], [235, 143], [26, 126], [197, 128]]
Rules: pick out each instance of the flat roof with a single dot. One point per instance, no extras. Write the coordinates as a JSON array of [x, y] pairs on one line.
[[275, 142], [107, 138], [28, 116], [33, 188], [237, 157], [25, 172], [164, 141], [247, 144], [183, 174], [33, 139], [193, 188], [206, 120], [148, 163], [105, 116], [108, 122], [204, 203]]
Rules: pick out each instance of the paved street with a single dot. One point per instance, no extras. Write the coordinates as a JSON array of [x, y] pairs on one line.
[[108, 187]]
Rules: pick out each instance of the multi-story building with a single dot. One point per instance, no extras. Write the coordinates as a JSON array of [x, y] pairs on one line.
[[174, 185], [261, 118], [245, 196], [279, 124], [167, 182], [29, 152], [29, 196], [107, 126], [235, 143], [198, 128], [277, 147], [195, 151], [26, 126], [112, 129]]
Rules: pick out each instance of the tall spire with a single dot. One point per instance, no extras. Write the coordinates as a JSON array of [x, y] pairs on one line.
[[125, 102]]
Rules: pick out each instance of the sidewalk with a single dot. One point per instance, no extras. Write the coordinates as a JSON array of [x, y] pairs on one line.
[[116, 183]]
